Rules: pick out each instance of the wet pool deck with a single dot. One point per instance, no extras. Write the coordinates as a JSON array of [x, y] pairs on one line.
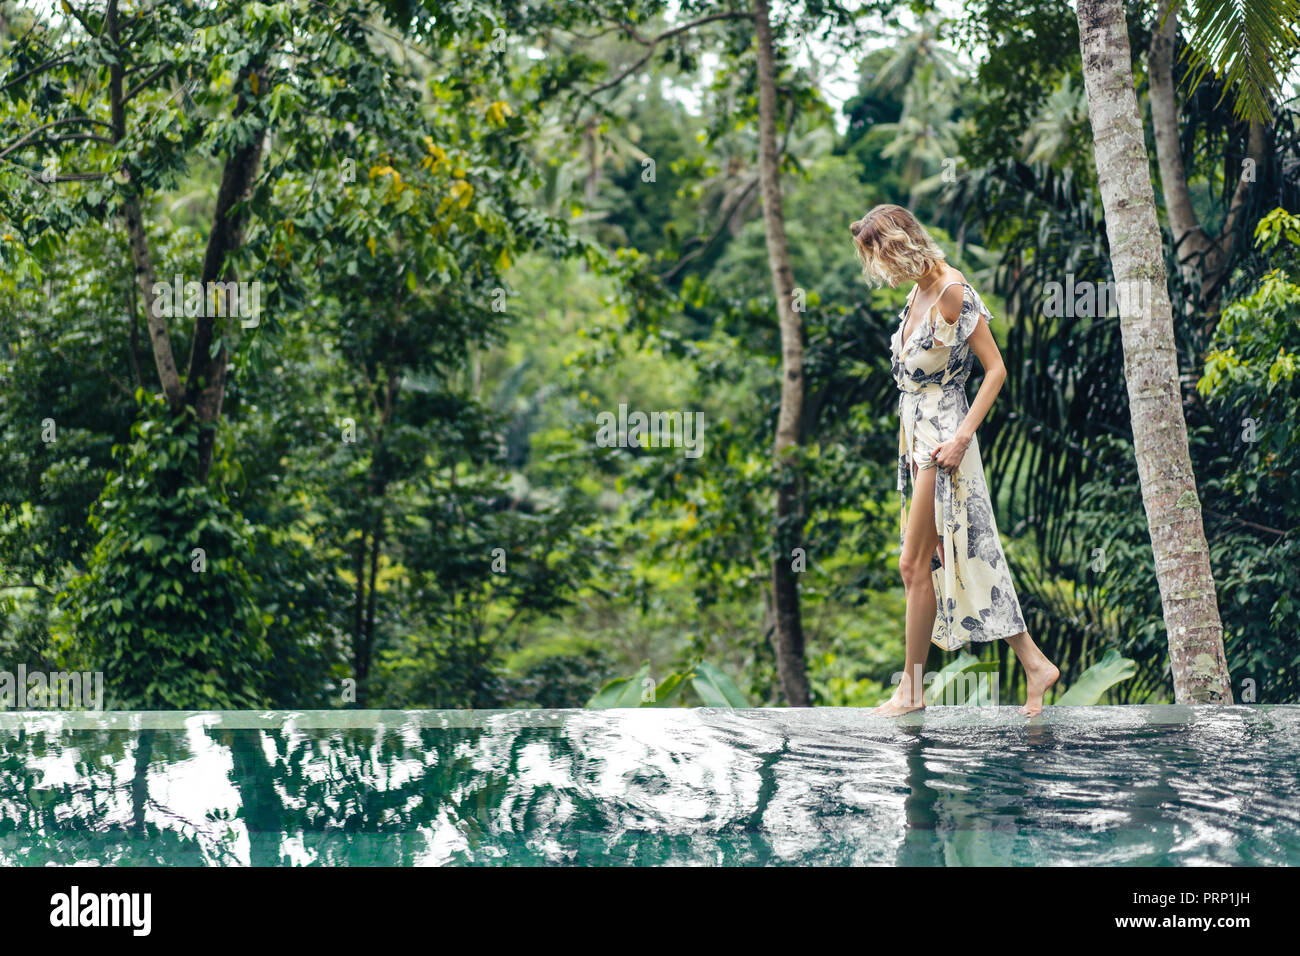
[[1118, 717]]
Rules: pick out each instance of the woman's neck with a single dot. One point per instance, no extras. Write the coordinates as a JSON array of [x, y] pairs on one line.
[[926, 280]]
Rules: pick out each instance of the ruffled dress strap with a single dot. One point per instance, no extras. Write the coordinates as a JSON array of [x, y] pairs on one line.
[[952, 334]]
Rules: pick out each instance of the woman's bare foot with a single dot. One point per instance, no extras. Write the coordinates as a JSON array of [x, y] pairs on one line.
[[1037, 681], [897, 706]]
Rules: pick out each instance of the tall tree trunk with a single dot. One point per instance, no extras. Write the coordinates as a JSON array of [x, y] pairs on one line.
[[360, 657], [789, 638], [593, 165], [1182, 557], [363, 641], [159, 337], [205, 383], [1189, 239], [1201, 257]]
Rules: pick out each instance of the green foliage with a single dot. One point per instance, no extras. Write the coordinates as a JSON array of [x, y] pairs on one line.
[[1246, 450], [167, 608], [1252, 490], [963, 673], [639, 690], [715, 688], [560, 671], [711, 686], [1244, 44], [1087, 689], [463, 257]]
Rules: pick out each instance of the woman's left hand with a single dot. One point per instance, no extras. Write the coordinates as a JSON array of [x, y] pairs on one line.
[[948, 454]]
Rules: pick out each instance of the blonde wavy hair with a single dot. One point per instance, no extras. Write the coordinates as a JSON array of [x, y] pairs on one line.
[[892, 246]]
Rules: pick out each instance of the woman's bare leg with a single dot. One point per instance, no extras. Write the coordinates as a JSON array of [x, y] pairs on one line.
[[919, 543], [1040, 673]]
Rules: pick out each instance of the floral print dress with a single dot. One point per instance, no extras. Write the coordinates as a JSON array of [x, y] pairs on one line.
[[972, 584]]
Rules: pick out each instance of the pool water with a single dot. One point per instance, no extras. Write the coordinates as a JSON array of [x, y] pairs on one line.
[[952, 786]]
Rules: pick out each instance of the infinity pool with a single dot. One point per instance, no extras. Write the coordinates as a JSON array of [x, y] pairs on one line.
[[955, 786]]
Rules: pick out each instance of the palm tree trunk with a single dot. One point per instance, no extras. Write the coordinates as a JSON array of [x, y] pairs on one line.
[[1182, 556], [789, 639], [1201, 257], [1189, 238]]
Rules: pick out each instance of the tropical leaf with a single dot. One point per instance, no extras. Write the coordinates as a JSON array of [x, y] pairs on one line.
[[716, 688], [713, 687], [1249, 44], [1097, 679], [668, 690], [965, 663], [622, 691]]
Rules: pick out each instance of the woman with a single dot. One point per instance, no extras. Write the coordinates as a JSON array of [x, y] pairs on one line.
[[955, 575]]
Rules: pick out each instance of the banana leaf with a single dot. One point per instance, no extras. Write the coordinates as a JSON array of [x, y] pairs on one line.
[[715, 688], [1097, 679], [668, 690], [622, 691], [964, 663]]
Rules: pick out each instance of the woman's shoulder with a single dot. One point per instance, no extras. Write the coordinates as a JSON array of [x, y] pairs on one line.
[[953, 296]]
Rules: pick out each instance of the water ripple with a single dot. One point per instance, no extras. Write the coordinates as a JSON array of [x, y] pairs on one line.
[[951, 786]]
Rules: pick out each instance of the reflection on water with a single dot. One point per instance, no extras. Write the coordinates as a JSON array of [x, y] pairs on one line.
[[954, 786]]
